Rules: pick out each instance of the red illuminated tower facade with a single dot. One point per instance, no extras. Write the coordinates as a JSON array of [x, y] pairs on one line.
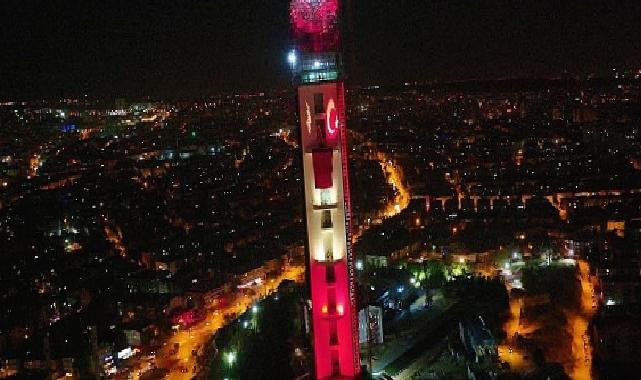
[[321, 98]]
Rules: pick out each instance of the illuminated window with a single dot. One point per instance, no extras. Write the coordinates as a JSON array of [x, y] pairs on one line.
[[313, 77], [325, 197]]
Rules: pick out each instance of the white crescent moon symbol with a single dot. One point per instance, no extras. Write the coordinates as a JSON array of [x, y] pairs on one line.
[[331, 107]]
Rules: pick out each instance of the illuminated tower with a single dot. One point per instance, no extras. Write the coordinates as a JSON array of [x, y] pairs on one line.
[[317, 66]]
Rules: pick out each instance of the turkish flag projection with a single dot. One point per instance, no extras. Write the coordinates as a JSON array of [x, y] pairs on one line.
[[332, 124], [322, 160]]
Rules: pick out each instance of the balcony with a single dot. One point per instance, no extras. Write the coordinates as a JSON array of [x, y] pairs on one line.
[[329, 261], [325, 206], [311, 149], [319, 67], [319, 76]]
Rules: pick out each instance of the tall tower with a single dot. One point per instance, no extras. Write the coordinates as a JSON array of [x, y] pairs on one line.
[[317, 65]]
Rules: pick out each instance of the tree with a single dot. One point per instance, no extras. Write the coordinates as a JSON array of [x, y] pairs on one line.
[[435, 271]]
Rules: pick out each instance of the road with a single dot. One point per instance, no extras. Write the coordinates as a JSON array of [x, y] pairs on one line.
[[396, 179], [402, 196], [578, 325], [182, 364], [113, 234], [580, 367], [509, 351]]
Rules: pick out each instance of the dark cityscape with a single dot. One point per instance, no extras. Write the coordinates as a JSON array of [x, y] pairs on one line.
[[320, 189]]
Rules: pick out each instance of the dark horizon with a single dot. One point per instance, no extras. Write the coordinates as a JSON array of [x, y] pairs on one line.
[[134, 50]]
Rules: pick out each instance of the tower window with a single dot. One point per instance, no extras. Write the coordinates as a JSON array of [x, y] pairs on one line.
[[326, 221], [336, 369], [319, 104], [325, 197], [330, 275], [321, 133], [333, 333]]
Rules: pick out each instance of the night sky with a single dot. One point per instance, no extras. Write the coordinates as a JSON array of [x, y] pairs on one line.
[[184, 48]]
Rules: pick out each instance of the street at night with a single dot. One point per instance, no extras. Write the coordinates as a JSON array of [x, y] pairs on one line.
[[320, 189], [182, 363]]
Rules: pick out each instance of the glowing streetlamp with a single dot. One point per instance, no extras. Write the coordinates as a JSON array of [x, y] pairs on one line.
[[230, 358], [292, 59]]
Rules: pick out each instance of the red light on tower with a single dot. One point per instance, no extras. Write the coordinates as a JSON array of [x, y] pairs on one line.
[[321, 96], [314, 16], [314, 24]]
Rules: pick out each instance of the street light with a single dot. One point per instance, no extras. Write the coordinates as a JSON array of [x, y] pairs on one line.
[[231, 358], [292, 59]]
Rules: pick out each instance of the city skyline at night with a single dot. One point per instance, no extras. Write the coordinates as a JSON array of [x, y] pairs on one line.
[[320, 189]]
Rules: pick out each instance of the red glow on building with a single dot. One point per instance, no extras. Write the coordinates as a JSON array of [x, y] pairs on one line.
[[323, 168], [321, 97], [314, 16], [314, 24], [187, 318]]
